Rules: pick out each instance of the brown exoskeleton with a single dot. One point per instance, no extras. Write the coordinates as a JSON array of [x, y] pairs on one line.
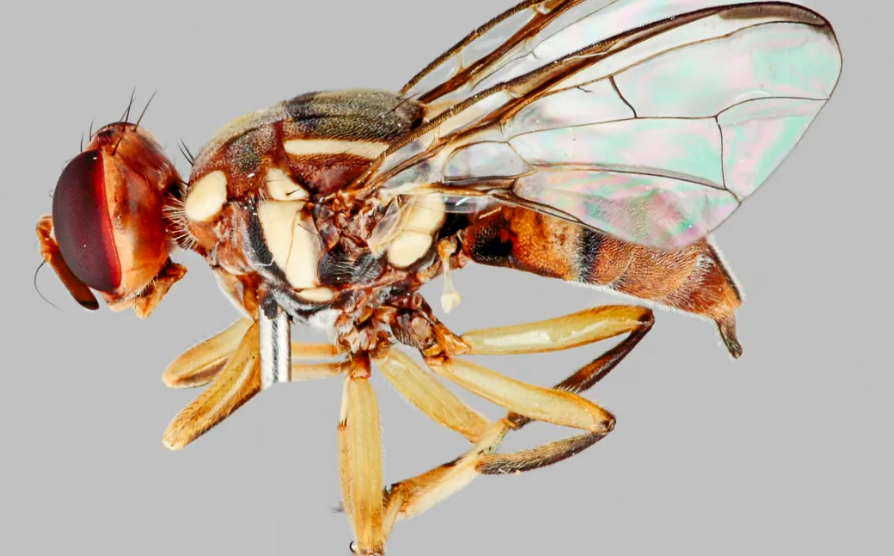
[[598, 145], [108, 230]]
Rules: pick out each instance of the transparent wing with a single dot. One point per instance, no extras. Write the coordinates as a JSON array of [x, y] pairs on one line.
[[650, 120]]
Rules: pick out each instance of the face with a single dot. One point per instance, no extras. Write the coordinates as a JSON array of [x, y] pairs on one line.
[[108, 213]]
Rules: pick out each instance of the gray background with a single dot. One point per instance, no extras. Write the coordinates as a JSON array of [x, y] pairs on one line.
[[785, 451]]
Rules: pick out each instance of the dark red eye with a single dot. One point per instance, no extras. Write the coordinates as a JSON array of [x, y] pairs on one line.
[[82, 225]]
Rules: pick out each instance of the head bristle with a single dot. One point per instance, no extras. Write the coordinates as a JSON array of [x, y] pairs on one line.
[[126, 114], [143, 113]]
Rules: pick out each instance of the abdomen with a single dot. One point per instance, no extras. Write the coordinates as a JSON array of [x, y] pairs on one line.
[[693, 280]]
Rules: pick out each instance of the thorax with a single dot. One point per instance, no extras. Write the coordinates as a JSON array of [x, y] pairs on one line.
[[254, 209]]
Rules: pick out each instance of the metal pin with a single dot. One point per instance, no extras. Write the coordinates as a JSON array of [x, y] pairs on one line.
[[275, 342]]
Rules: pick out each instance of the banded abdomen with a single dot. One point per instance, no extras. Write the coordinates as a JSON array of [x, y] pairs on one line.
[[693, 280]]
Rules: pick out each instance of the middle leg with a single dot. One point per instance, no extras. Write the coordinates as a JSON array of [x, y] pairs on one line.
[[360, 460]]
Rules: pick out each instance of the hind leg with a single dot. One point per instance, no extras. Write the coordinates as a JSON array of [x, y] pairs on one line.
[[413, 496]]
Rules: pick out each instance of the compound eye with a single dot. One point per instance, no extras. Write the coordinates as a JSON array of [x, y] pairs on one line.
[[83, 228]]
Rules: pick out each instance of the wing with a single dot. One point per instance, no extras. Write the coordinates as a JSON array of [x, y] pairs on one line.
[[650, 120]]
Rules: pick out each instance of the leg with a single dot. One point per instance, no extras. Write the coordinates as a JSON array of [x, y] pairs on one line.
[[560, 406], [569, 331], [302, 372], [360, 461], [429, 396], [198, 365], [554, 452], [439, 404], [534, 402], [234, 385], [49, 250], [236, 380], [413, 496]]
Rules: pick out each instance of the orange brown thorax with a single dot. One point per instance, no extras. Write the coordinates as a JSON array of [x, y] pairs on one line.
[[254, 206]]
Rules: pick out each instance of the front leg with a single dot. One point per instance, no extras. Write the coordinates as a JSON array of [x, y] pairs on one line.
[[231, 362], [198, 365], [234, 385]]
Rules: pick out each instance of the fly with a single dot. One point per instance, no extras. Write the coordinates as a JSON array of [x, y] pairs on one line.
[[595, 144]]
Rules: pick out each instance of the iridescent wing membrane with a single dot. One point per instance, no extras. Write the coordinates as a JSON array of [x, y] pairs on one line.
[[650, 120]]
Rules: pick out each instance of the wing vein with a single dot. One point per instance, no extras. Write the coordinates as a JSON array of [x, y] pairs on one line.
[[722, 160], [627, 170], [642, 61], [611, 80]]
